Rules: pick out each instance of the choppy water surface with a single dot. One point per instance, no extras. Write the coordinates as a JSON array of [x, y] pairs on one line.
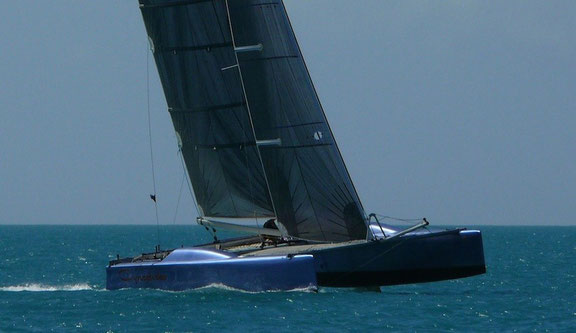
[[52, 278]]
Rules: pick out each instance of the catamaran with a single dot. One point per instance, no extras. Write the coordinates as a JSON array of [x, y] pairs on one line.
[[262, 159]]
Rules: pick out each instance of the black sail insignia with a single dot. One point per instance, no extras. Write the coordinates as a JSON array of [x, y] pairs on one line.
[[192, 45], [254, 134], [311, 189]]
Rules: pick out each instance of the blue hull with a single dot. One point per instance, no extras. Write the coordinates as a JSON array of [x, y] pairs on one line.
[[249, 274]]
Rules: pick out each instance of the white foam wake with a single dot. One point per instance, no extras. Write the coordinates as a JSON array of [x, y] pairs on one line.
[[219, 286], [35, 287]]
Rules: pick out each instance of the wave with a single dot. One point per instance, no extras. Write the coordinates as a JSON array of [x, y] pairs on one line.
[[219, 286], [215, 287], [37, 287]]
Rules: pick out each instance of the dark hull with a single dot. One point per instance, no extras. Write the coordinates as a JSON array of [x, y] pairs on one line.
[[409, 259], [390, 278]]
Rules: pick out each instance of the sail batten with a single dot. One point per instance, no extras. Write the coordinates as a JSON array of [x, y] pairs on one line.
[[225, 107], [167, 4], [204, 48]]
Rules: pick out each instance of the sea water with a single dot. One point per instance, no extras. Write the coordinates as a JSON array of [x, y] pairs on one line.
[[52, 278]]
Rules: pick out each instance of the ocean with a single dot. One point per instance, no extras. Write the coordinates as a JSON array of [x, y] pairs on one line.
[[52, 279]]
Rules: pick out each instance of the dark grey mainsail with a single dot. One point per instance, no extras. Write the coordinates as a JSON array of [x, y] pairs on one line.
[[191, 42], [255, 137]]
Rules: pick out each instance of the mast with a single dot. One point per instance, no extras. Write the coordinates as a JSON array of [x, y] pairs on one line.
[[241, 49]]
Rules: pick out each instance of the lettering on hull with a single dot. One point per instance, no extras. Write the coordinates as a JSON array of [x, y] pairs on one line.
[[127, 276]]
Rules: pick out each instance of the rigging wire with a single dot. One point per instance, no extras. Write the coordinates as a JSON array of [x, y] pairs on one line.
[[212, 231], [397, 219], [179, 195], [178, 201], [154, 195], [189, 185], [384, 217]]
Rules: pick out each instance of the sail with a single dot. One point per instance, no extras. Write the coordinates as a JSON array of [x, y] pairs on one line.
[[192, 47], [253, 133], [313, 194]]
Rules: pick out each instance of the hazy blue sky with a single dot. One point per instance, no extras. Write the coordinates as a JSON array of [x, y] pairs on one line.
[[460, 111]]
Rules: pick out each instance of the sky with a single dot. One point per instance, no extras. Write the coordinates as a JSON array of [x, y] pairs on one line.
[[459, 111]]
